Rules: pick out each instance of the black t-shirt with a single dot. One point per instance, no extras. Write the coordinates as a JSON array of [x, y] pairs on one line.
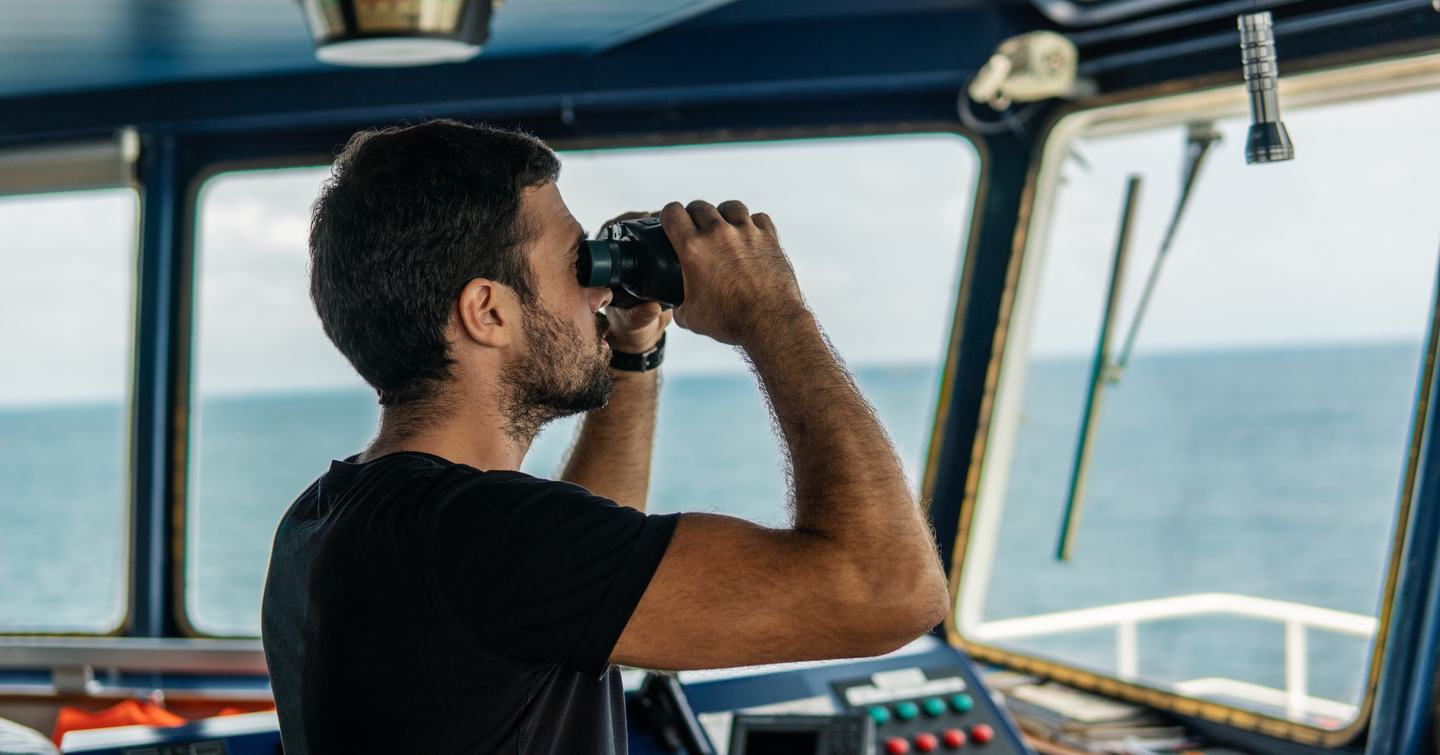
[[416, 605]]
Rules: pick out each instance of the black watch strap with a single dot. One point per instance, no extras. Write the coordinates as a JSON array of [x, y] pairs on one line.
[[623, 360]]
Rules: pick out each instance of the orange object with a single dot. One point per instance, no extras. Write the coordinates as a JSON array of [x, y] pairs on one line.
[[127, 713], [147, 713]]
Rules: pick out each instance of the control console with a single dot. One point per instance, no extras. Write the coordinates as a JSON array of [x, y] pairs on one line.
[[759, 734], [918, 709], [924, 698]]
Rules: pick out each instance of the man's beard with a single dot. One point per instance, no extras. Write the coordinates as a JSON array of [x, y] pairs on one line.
[[561, 373]]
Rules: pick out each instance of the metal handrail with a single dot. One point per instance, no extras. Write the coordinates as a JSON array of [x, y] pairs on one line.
[[1126, 618], [187, 655], [73, 664]]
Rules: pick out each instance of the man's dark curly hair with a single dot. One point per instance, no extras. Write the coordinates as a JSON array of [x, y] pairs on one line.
[[409, 216]]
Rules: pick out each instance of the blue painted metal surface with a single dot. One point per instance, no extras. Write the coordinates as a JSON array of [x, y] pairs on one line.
[[1405, 700], [783, 685], [152, 525], [785, 62], [1006, 161], [1308, 34], [60, 45]]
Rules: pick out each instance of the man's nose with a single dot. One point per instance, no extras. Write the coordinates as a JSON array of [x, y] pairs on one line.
[[605, 296]]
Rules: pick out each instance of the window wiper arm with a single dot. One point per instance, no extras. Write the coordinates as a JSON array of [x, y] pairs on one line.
[[1199, 138], [1098, 366]]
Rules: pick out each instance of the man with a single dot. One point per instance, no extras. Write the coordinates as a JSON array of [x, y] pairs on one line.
[[423, 596]]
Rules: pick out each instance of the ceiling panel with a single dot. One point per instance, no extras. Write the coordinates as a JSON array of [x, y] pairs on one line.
[[66, 45]]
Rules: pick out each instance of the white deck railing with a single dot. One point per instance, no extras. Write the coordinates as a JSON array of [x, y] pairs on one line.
[[1126, 618]]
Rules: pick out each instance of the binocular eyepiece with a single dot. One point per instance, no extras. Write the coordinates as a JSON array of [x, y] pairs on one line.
[[634, 259]]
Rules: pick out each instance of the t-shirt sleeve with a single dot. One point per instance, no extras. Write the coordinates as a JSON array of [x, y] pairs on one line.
[[547, 571]]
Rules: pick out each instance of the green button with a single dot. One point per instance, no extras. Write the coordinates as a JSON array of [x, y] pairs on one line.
[[879, 714], [934, 706], [907, 711], [962, 703]]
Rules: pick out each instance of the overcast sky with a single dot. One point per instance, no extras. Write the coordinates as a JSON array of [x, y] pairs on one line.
[[875, 228], [1339, 245]]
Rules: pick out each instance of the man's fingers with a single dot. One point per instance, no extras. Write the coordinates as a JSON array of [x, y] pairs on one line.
[[638, 316], [704, 214], [676, 222], [638, 328], [644, 314], [764, 223], [734, 212]]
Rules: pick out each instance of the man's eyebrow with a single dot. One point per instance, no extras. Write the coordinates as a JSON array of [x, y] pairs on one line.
[[580, 238]]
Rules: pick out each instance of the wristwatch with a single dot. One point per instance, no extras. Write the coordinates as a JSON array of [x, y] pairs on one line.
[[623, 360]]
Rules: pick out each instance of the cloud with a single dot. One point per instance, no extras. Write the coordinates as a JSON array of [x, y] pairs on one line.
[[66, 299], [252, 225]]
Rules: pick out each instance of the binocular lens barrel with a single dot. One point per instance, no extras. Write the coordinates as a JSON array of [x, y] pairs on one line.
[[634, 259], [597, 264]]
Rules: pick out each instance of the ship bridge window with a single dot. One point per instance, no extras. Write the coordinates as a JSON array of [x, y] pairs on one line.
[[67, 290], [1234, 507], [875, 226]]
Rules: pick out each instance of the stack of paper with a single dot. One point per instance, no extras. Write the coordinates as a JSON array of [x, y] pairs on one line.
[[1090, 723]]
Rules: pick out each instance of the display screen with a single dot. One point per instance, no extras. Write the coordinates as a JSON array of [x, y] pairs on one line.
[[772, 742]]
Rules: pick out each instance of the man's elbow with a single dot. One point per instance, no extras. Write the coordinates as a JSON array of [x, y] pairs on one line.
[[901, 627], [927, 603], [888, 613], [932, 603]]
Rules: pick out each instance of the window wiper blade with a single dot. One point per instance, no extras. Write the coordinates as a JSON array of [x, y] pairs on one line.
[[1098, 366], [1199, 138]]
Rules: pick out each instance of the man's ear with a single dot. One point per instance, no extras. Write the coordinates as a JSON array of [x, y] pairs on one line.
[[488, 312]]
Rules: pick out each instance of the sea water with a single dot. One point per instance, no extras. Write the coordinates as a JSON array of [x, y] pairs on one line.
[[1271, 473]]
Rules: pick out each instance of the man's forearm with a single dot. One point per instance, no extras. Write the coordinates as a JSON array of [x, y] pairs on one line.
[[611, 456], [848, 482]]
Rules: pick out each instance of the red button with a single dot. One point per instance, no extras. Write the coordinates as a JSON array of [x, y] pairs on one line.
[[981, 733], [926, 742], [954, 738], [896, 746]]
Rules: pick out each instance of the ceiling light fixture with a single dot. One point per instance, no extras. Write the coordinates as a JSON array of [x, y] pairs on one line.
[[397, 32]]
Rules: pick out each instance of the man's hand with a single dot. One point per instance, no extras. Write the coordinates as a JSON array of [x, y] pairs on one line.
[[635, 330], [856, 574], [738, 281]]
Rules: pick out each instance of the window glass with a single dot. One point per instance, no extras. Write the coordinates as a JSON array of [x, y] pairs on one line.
[[874, 225], [66, 313], [875, 228], [272, 400], [1243, 481]]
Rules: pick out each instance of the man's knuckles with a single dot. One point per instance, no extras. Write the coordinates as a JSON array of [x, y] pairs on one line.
[[735, 212]]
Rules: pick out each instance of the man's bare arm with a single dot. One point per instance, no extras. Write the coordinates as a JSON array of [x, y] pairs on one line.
[[857, 573], [611, 457]]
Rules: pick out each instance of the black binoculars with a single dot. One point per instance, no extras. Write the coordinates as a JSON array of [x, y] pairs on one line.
[[634, 259]]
